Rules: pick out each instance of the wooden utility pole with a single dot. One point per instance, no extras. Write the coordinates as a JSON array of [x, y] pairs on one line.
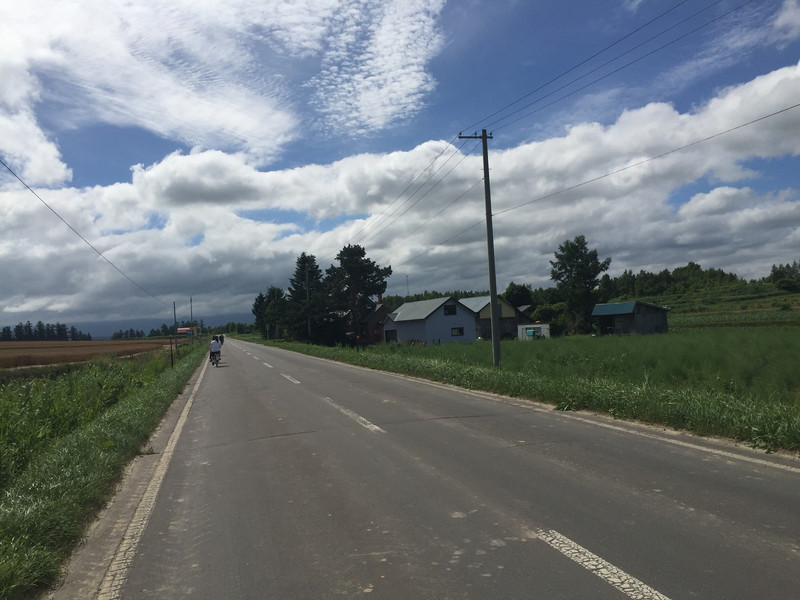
[[494, 306]]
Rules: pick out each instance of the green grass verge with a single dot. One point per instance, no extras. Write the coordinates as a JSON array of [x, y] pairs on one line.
[[740, 383], [46, 508]]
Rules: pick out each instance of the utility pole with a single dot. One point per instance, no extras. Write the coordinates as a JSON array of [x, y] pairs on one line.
[[493, 305], [308, 297]]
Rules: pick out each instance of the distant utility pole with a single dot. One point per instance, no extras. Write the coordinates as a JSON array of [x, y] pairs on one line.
[[493, 305]]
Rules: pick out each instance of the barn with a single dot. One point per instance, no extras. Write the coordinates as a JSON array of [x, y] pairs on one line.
[[630, 317]]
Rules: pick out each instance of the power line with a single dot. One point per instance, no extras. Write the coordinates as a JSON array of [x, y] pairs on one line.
[[604, 176], [497, 127], [464, 157], [596, 54], [647, 160], [400, 195], [389, 218], [580, 64], [76, 232]]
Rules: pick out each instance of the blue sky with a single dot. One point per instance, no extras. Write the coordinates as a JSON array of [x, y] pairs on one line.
[[201, 148]]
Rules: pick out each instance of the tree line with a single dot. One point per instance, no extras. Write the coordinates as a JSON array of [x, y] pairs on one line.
[[170, 330], [42, 332], [322, 307], [581, 283]]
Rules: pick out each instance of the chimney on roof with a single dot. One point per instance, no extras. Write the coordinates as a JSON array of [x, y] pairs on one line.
[[380, 298]]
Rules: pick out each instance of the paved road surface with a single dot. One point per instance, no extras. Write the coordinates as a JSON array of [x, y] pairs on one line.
[[295, 478]]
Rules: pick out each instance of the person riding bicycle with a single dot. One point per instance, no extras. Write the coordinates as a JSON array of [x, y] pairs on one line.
[[215, 348]]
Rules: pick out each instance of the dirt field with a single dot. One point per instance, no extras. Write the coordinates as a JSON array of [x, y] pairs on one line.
[[25, 354]]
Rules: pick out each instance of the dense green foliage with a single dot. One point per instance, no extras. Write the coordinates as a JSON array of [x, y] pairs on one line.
[[322, 309], [740, 383], [576, 271], [69, 439]]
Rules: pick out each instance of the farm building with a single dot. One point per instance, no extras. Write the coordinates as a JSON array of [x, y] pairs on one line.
[[431, 321], [630, 317], [371, 326], [510, 317]]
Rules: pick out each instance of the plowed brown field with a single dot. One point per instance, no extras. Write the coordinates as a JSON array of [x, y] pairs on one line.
[[25, 354]]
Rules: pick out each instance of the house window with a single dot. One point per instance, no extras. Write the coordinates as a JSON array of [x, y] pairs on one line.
[[457, 331], [449, 310]]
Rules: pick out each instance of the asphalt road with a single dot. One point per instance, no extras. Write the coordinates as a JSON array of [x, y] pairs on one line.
[[295, 478]]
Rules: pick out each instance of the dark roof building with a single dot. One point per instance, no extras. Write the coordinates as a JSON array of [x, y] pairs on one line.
[[630, 317]]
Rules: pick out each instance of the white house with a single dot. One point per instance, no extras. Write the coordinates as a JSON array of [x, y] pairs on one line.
[[436, 321]]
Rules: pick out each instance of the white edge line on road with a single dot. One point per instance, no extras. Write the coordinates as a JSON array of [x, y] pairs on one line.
[[725, 453], [289, 377], [630, 428], [356, 417], [117, 572], [627, 584]]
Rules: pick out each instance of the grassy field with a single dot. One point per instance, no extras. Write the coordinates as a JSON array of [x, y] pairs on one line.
[[64, 441], [737, 382], [23, 354]]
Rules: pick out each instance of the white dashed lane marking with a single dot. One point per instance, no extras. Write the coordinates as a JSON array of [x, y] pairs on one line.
[[627, 584], [356, 417]]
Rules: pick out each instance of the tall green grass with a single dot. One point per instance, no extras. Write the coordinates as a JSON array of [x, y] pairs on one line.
[[740, 383], [53, 492]]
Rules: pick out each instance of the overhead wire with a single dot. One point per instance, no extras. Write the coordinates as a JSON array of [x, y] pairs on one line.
[[661, 15], [581, 63], [423, 196], [606, 175], [610, 73], [647, 160], [367, 225], [76, 232]]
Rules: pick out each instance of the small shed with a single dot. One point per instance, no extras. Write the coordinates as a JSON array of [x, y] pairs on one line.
[[535, 331], [630, 317]]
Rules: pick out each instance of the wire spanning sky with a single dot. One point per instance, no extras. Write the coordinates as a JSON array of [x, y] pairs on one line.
[[178, 149]]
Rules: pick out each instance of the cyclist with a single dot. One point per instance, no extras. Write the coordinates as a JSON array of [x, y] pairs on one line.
[[215, 348]]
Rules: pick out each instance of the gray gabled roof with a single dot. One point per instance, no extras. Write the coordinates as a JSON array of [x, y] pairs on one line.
[[418, 311], [476, 304]]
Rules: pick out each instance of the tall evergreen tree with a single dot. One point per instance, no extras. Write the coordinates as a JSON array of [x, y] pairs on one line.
[[275, 311], [307, 312], [354, 283]]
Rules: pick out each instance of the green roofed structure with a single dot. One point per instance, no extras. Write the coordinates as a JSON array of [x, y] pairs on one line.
[[630, 317]]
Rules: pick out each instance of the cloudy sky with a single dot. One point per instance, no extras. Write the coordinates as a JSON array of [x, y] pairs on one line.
[[168, 149]]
